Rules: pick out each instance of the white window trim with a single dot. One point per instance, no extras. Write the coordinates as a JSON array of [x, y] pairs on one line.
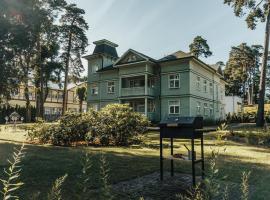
[[92, 89], [199, 106], [95, 68], [198, 83], [205, 109], [205, 86], [211, 108], [211, 88], [169, 80], [169, 106], [108, 91]]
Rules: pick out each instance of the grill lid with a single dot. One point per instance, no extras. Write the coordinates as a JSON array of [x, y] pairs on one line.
[[192, 122]]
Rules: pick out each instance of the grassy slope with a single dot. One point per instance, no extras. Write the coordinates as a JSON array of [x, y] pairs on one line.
[[43, 164]]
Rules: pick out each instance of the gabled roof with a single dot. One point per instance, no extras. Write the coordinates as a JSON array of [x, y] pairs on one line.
[[138, 54]]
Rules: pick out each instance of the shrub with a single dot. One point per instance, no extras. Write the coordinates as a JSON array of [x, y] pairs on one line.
[[115, 124], [118, 124], [39, 131], [72, 127]]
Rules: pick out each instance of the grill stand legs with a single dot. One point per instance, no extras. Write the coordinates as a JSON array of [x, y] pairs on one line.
[[161, 158], [202, 157], [193, 161], [172, 167]]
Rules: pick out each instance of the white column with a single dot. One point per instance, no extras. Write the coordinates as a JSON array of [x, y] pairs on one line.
[[145, 106], [120, 86], [146, 84]]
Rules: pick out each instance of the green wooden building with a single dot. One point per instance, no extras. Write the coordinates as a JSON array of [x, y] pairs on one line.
[[176, 85]]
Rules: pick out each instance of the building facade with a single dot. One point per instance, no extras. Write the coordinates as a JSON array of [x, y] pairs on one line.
[[233, 105], [54, 101], [176, 85]]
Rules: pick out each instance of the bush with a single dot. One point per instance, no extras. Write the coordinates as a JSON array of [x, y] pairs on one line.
[[40, 132], [118, 124], [72, 127], [115, 124]]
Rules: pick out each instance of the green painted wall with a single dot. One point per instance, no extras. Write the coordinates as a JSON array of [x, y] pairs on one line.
[[188, 93]]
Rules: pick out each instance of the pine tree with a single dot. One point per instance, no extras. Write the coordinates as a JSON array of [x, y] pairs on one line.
[[74, 41], [81, 93], [255, 11], [199, 47]]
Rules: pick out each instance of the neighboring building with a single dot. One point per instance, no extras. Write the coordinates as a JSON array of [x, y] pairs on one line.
[[53, 104], [176, 85], [233, 104]]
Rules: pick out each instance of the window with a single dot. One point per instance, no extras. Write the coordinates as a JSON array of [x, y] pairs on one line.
[[205, 109], [174, 81], [151, 82], [174, 107], [198, 107], [95, 68], [136, 83], [211, 110], [198, 83], [94, 90], [217, 107], [205, 85], [221, 94], [151, 106], [216, 92], [211, 88], [94, 106], [111, 87]]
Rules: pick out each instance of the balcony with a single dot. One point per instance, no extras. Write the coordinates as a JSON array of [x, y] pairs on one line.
[[136, 91]]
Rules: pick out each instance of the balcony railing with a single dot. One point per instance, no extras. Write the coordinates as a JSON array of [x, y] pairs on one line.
[[136, 91]]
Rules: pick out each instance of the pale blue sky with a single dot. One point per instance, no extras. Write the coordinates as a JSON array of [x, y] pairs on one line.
[[160, 27]]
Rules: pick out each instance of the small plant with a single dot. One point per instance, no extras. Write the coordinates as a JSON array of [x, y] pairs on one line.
[[245, 186], [84, 178], [104, 178], [55, 193], [222, 127], [12, 183]]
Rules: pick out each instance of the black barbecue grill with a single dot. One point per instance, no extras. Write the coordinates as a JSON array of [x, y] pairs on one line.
[[183, 128]]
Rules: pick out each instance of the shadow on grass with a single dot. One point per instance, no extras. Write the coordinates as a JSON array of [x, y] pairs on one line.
[[43, 164]]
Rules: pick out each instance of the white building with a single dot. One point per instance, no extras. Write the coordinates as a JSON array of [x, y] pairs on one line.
[[233, 104]]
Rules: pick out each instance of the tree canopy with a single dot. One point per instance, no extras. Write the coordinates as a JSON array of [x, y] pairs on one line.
[[199, 47], [256, 11]]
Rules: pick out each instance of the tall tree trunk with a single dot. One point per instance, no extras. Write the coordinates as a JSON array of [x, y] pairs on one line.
[[260, 113], [81, 102], [38, 81], [27, 104], [65, 95]]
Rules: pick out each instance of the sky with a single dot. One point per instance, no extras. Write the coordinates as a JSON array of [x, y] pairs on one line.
[[161, 27]]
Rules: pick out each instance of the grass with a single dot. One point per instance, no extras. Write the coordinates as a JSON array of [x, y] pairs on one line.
[[43, 164], [254, 108]]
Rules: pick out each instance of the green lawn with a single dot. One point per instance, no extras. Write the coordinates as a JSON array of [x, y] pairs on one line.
[[43, 164]]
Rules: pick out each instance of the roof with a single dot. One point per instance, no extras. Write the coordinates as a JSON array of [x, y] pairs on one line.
[[175, 55], [147, 58], [110, 67], [105, 49], [107, 42], [143, 55]]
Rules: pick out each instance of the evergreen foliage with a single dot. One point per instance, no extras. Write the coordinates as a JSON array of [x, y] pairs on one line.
[[256, 11], [242, 72], [199, 47]]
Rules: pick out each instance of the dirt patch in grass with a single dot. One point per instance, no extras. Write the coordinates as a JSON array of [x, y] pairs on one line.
[[151, 188]]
